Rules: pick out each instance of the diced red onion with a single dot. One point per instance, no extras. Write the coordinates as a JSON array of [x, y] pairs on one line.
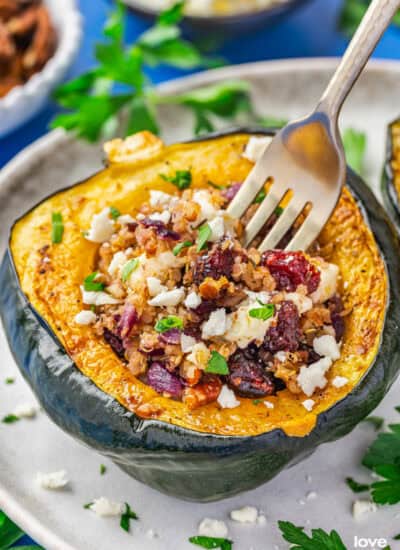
[[163, 381]]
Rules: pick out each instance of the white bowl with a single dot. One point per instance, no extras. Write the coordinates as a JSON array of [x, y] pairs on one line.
[[23, 102]]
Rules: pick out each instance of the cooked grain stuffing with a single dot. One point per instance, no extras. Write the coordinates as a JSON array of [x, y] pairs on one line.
[[198, 317]]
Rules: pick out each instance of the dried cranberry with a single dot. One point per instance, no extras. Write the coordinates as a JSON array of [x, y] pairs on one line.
[[336, 306], [132, 226], [193, 330], [248, 378], [163, 381], [204, 309], [128, 319], [291, 269], [161, 229], [172, 336], [230, 192], [115, 342], [217, 263], [286, 334]]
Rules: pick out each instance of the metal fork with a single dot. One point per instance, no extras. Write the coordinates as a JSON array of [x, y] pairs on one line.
[[307, 157]]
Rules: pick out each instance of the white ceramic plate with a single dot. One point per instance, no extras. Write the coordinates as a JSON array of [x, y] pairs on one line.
[[57, 519]]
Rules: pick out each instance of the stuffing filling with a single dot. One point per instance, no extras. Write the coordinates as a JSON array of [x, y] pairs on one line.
[[198, 317]]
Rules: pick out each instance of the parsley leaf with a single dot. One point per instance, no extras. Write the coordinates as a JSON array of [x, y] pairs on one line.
[[126, 517], [211, 542], [217, 364], [203, 237], [9, 532], [10, 419], [91, 285], [319, 539], [272, 122], [260, 197], [179, 247], [352, 13], [57, 227], [9, 380], [103, 469], [355, 144], [182, 179], [128, 269], [265, 312], [376, 421], [168, 323], [88, 505], [114, 212], [257, 401], [355, 486]]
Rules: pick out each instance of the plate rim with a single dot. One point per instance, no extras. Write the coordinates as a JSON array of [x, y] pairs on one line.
[[42, 146]]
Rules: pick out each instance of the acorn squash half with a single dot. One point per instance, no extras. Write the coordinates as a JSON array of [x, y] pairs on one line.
[[391, 175], [206, 454]]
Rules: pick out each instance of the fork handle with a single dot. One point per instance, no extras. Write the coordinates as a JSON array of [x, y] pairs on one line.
[[372, 27]]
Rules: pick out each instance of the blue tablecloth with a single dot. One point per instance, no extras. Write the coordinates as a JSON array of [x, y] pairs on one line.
[[310, 32]]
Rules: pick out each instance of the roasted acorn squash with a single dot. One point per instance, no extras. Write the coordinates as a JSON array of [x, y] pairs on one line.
[[206, 454], [391, 175]]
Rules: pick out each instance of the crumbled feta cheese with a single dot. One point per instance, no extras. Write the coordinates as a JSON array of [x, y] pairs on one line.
[[203, 199], [256, 147], [168, 298], [193, 300], [140, 216], [308, 404], [261, 520], [216, 324], [281, 356], [154, 286], [118, 261], [152, 534], [328, 283], [102, 227], [326, 346], [125, 219], [52, 481], [217, 227], [213, 528], [25, 410], [340, 381], [244, 329], [159, 198], [94, 298], [199, 355], [313, 376], [269, 405], [303, 303], [187, 343], [227, 399], [104, 507], [164, 217], [159, 264], [312, 495], [247, 514], [362, 508], [85, 317]]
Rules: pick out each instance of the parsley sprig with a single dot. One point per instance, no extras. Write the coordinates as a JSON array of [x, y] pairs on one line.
[[319, 539], [120, 83], [211, 542], [11, 534], [127, 515]]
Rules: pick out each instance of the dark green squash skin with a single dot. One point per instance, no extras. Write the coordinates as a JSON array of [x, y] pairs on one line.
[[391, 198], [180, 462]]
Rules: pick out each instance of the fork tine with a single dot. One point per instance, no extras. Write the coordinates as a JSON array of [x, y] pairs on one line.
[[307, 233], [254, 182], [284, 223], [264, 211]]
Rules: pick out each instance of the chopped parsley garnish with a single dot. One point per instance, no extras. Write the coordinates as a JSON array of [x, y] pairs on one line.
[[103, 469], [128, 269], [265, 312], [217, 364], [278, 211], [168, 323], [257, 401], [355, 486], [211, 542], [260, 197], [126, 517], [203, 237], [9, 380], [182, 179], [397, 537], [212, 184], [114, 212], [91, 285], [319, 538], [88, 505], [179, 247], [10, 419], [376, 421], [57, 227]]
